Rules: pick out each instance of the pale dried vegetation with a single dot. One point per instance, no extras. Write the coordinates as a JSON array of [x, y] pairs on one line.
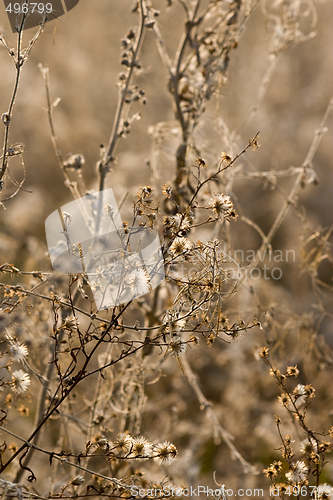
[[222, 375]]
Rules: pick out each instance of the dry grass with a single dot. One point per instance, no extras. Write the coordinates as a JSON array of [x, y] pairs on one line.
[[222, 361]]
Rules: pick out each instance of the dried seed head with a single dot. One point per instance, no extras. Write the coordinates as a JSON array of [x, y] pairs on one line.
[[292, 371], [177, 346], [298, 473], [109, 210], [225, 157], [165, 453], [71, 323], [142, 449], [223, 207], [139, 281], [201, 162], [20, 381], [123, 444], [18, 351], [180, 245], [308, 446], [75, 162], [78, 480]]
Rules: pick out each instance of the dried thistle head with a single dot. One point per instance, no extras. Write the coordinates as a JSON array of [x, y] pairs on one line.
[[122, 445], [177, 346], [180, 245], [223, 207], [141, 449], [165, 453], [298, 472]]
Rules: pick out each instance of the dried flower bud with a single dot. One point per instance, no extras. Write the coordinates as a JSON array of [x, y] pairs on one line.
[[75, 162]]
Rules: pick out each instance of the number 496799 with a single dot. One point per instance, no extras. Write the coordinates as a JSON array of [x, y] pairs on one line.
[[24, 8]]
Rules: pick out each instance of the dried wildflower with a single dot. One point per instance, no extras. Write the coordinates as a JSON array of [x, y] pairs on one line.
[[277, 465], [263, 352], [223, 207], [67, 218], [200, 162], [325, 446], [300, 394], [78, 480], [180, 245], [144, 192], [102, 443], [181, 222], [165, 453], [273, 469], [225, 157], [309, 391], [308, 445], [24, 410], [139, 281], [275, 372], [175, 325], [75, 162], [142, 449], [269, 472], [283, 488], [315, 458], [284, 399], [277, 419], [167, 190], [177, 346], [292, 371], [20, 381], [254, 142], [18, 351], [298, 472], [9, 399], [109, 210], [178, 223], [71, 323], [123, 444]]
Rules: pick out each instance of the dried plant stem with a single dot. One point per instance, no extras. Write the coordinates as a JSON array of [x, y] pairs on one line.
[[261, 92], [49, 109], [115, 135], [293, 193], [80, 376], [19, 60], [39, 411], [121, 101], [219, 431], [52, 455]]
